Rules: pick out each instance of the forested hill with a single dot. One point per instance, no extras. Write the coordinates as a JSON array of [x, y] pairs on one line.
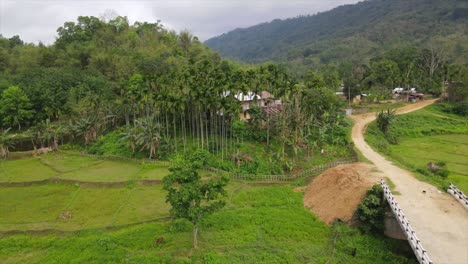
[[352, 32]]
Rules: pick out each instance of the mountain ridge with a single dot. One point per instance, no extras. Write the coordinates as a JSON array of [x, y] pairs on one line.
[[352, 32]]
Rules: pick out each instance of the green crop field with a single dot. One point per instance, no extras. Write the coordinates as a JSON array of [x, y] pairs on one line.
[[427, 135], [259, 224], [76, 167]]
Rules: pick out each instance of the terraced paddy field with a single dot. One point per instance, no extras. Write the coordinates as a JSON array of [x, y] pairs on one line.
[[68, 222], [73, 166]]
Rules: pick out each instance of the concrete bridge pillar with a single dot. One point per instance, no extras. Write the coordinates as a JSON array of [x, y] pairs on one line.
[[392, 228]]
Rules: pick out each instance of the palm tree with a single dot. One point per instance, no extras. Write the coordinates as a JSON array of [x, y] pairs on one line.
[[131, 136], [36, 134], [52, 133], [87, 127], [150, 135], [185, 40], [384, 120]]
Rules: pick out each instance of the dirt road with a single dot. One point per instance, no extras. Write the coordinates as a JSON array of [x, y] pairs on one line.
[[440, 222]]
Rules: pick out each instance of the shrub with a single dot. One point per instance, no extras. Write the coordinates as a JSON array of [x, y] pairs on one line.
[[110, 144], [371, 211], [440, 163], [392, 139], [461, 108], [443, 173], [384, 120], [424, 171]]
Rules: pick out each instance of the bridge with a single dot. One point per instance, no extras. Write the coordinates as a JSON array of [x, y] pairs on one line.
[[410, 234]]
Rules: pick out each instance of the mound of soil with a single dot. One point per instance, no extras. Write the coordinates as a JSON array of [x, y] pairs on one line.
[[337, 192]]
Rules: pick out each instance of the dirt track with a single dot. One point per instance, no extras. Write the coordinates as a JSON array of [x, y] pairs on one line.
[[438, 219]]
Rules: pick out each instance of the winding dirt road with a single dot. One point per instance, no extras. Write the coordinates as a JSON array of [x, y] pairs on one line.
[[438, 219]]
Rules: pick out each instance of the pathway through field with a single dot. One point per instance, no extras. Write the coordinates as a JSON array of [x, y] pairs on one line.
[[438, 219]]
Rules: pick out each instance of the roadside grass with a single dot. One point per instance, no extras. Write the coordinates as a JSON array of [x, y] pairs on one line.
[[259, 225], [416, 153], [427, 135], [375, 107]]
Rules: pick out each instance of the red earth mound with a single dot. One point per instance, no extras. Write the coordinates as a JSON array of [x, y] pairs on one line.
[[337, 192]]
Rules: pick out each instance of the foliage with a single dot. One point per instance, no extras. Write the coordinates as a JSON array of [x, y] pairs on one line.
[[371, 211], [189, 197], [384, 120], [458, 108], [15, 107], [111, 144], [46, 133], [362, 31], [149, 136], [444, 173]]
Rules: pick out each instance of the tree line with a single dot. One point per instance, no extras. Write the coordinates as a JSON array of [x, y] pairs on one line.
[[158, 87], [164, 92]]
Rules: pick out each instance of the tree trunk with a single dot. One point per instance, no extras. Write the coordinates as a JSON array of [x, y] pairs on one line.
[[195, 236], [175, 130]]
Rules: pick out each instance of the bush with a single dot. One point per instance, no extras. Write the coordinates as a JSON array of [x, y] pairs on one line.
[[443, 173], [424, 171], [371, 211], [392, 139], [440, 163], [461, 108]]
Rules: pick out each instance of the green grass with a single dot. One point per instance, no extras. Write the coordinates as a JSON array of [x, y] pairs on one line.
[[62, 162], [259, 225], [374, 107], [153, 172], [424, 136], [106, 171], [39, 207], [30, 169], [33, 207], [73, 166], [416, 153]]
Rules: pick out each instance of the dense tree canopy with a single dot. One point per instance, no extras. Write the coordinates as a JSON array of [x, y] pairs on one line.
[[15, 108]]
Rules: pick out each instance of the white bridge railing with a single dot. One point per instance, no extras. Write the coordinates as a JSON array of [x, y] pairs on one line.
[[415, 243], [459, 195]]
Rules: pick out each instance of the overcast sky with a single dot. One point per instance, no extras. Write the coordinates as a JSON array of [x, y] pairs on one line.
[[38, 20]]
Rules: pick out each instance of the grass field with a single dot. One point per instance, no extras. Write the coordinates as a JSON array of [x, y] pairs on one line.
[[258, 225], [266, 224], [76, 167], [424, 136], [39, 207]]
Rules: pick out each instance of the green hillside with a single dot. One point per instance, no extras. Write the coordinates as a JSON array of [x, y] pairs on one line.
[[352, 33]]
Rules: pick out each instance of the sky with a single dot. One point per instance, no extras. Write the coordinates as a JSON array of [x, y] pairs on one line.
[[37, 20]]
